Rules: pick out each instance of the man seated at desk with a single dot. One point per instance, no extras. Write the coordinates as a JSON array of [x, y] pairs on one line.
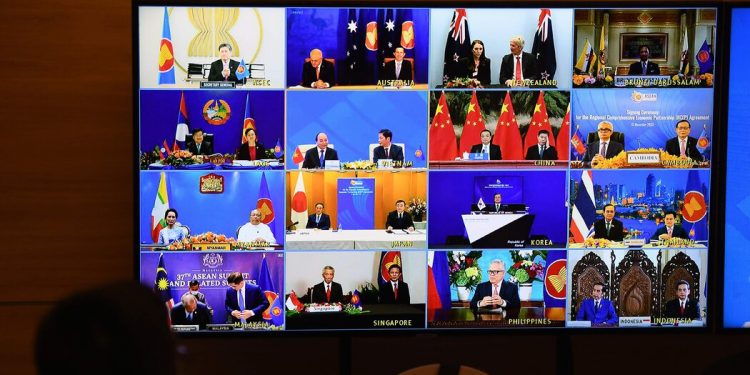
[[328, 291], [670, 229], [395, 291], [609, 227], [598, 310], [255, 231], [319, 220], [199, 146], [318, 72], [497, 205], [386, 149], [683, 307], [224, 69], [683, 145], [190, 312], [399, 70], [399, 219], [605, 147], [496, 293], [316, 157], [644, 66], [486, 147]]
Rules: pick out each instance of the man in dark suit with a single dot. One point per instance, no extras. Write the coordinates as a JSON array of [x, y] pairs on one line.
[[487, 147], [317, 73], [319, 220], [399, 219], [200, 146], [496, 293], [670, 229], [609, 227], [395, 291], [398, 70], [224, 69], [328, 291], [644, 67], [312, 156], [683, 307], [244, 302], [497, 205], [604, 148], [597, 310], [518, 66], [190, 312], [386, 149], [683, 145], [542, 150]]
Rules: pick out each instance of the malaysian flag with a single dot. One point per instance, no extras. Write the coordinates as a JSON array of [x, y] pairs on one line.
[[584, 209]]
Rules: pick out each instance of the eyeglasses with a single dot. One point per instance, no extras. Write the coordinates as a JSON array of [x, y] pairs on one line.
[[493, 272], [604, 130]]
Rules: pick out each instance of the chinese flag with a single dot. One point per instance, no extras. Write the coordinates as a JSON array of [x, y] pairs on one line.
[[539, 121], [563, 138], [473, 126], [507, 135], [442, 136]]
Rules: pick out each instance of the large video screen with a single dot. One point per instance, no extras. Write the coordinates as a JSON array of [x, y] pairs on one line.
[[434, 169]]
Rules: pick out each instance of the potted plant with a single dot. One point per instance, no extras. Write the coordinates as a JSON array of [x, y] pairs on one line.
[[528, 266], [465, 274], [417, 208]]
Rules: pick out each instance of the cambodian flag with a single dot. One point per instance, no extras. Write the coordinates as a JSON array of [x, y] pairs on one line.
[[166, 53], [578, 144]]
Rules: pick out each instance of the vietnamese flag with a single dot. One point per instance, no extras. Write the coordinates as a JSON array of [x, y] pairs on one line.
[[297, 157], [473, 126], [507, 135], [539, 121], [563, 137], [442, 136]]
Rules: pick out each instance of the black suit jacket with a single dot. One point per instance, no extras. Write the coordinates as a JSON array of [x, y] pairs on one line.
[[528, 67], [495, 153], [319, 293], [389, 71], [550, 153], [325, 222], [484, 75], [691, 148], [326, 73], [312, 157], [613, 148], [201, 315], [396, 153], [615, 231], [386, 293], [217, 66], [491, 208], [207, 148], [394, 222], [244, 153], [508, 292], [636, 69], [678, 231], [692, 309]]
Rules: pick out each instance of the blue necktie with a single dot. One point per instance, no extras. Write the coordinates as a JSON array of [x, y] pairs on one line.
[[644, 68], [322, 159], [242, 305]]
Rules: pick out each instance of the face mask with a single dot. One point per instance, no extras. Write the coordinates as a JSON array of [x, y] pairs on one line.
[[194, 293]]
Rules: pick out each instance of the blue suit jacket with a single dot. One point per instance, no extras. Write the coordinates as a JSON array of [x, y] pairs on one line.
[[605, 315], [254, 300]]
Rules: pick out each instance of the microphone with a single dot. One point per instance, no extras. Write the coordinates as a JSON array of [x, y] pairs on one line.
[[289, 227]]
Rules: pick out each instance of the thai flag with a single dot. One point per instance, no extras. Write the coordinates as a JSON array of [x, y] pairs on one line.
[[584, 209]]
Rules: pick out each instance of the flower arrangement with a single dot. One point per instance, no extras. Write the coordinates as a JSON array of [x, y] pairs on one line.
[[677, 242], [179, 158], [417, 207], [528, 265], [364, 165], [471, 83], [203, 238], [586, 80], [597, 242], [464, 269], [618, 161]]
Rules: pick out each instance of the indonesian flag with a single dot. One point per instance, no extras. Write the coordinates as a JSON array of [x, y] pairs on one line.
[[299, 203], [507, 134], [161, 204], [563, 137], [442, 136], [298, 158], [293, 303], [473, 126], [539, 121]]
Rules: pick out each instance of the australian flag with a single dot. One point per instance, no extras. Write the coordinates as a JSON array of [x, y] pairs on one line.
[[351, 72], [544, 46], [388, 32], [457, 45], [705, 59]]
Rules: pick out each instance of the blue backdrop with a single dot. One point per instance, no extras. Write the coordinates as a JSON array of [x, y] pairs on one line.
[[218, 213], [356, 202], [650, 120], [325, 29], [159, 109], [737, 274], [352, 120], [183, 267], [451, 195]]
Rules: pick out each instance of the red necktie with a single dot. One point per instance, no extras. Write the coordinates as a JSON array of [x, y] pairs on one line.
[[395, 291], [518, 68], [682, 309], [328, 293]]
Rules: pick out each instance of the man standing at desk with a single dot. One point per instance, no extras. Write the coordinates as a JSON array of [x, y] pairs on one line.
[[496, 293], [244, 301], [399, 219], [609, 227], [319, 220], [328, 291]]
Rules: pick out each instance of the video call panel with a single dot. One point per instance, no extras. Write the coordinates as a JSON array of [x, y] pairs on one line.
[[393, 168]]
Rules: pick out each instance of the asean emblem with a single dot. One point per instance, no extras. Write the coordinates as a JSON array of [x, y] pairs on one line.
[[694, 208], [703, 56], [216, 112], [240, 70], [555, 279], [418, 153], [270, 296], [355, 299], [212, 260], [407, 34], [371, 38]]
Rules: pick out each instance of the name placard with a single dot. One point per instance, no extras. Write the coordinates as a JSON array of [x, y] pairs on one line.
[[218, 85], [635, 321], [640, 158]]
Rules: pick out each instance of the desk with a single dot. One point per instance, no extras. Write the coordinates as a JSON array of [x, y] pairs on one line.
[[210, 166], [310, 239], [383, 316], [506, 230], [418, 86], [530, 314], [494, 164]]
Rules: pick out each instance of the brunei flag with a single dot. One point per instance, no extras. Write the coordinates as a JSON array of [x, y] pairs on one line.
[[585, 62], [166, 53]]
